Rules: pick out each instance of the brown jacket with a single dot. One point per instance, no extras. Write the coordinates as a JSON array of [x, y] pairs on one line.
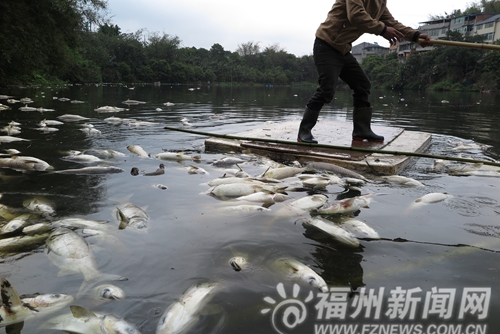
[[349, 19]]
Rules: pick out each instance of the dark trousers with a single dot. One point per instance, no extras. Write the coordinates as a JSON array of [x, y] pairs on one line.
[[331, 66]]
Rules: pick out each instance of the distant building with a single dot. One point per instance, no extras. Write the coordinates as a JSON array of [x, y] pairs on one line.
[[488, 28], [468, 25], [360, 51]]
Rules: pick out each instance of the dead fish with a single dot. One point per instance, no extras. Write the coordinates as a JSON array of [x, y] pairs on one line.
[[346, 205], [234, 190], [314, 181], [196, 170], [84, 321], [91, 170], [328, 167], [81, 223], [229, 180], [15, 309], [243, 209], [106, 292], [160, 186], [358, 228], [109, 109], [81, 158], [402, 180], [238, 263], [10, 139], [105, 154], [227, 161], [113, 120], [131, 215], [176, 156], [40, 206], [184, 313], [17, 223], [159, 171], [336, 232], [297, 270], [133, 102], [71, 253], [264, 197], [282, 172], [72, 118], [24, 163], [22, 242]]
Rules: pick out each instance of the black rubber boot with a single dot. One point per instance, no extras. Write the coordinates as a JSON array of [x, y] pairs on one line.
[[362, 118], [308, 122]]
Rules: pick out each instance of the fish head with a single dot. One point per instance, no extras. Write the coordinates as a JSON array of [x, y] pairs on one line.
[[238, 263], [111, 324], [47, 302], [110, 292], [316, 281]]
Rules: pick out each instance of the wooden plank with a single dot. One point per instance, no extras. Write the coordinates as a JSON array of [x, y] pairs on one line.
[[330, 133]]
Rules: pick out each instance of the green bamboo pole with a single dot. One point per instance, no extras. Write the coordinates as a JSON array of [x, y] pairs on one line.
[[482, 46], [345, 148]]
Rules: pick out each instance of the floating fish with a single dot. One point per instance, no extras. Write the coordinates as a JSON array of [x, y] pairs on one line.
[[308, 203], [109, 109], [71, 253], [264, 197], [335, 231], [314, 181], [49, 122], [10, 139], [82, 223], [18, 223], [238, 263], [282, 172], [346, 205], [358, 228], [72, 118], [403, 180], [329, 167], [84, 321], [91, 170], [176, 156], [196, 170], [24, 163], [297, 270], [234, 190], [133, 102], [131, 215], [15, 309], [183, 314], [227, 161], [40, 206], [242, 209], [138, 150], [82, 158], [106, 292], [159, 171], [22, 242]]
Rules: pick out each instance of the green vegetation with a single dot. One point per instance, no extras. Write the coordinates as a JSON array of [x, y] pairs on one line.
[[70, 40]]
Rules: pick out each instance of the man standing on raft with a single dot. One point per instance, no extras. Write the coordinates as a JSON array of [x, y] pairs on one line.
[[346, 22]]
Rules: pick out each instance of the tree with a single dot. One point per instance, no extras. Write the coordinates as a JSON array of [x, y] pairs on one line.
[[248, 49]]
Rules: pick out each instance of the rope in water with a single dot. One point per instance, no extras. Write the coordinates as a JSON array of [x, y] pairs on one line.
[[345, 148]]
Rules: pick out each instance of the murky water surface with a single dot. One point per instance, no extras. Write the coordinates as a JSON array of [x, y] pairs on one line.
[[435, 267]]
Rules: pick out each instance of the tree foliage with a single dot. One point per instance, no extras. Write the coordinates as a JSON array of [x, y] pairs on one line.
[[70, 40]]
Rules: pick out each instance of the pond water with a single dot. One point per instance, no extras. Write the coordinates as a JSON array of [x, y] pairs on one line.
[[435, 268]]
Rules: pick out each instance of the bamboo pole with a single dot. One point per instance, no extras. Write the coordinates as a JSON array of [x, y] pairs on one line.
[[482, 46], [345, 148]]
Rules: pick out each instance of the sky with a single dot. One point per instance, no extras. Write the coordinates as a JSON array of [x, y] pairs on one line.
[[230, 23]]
